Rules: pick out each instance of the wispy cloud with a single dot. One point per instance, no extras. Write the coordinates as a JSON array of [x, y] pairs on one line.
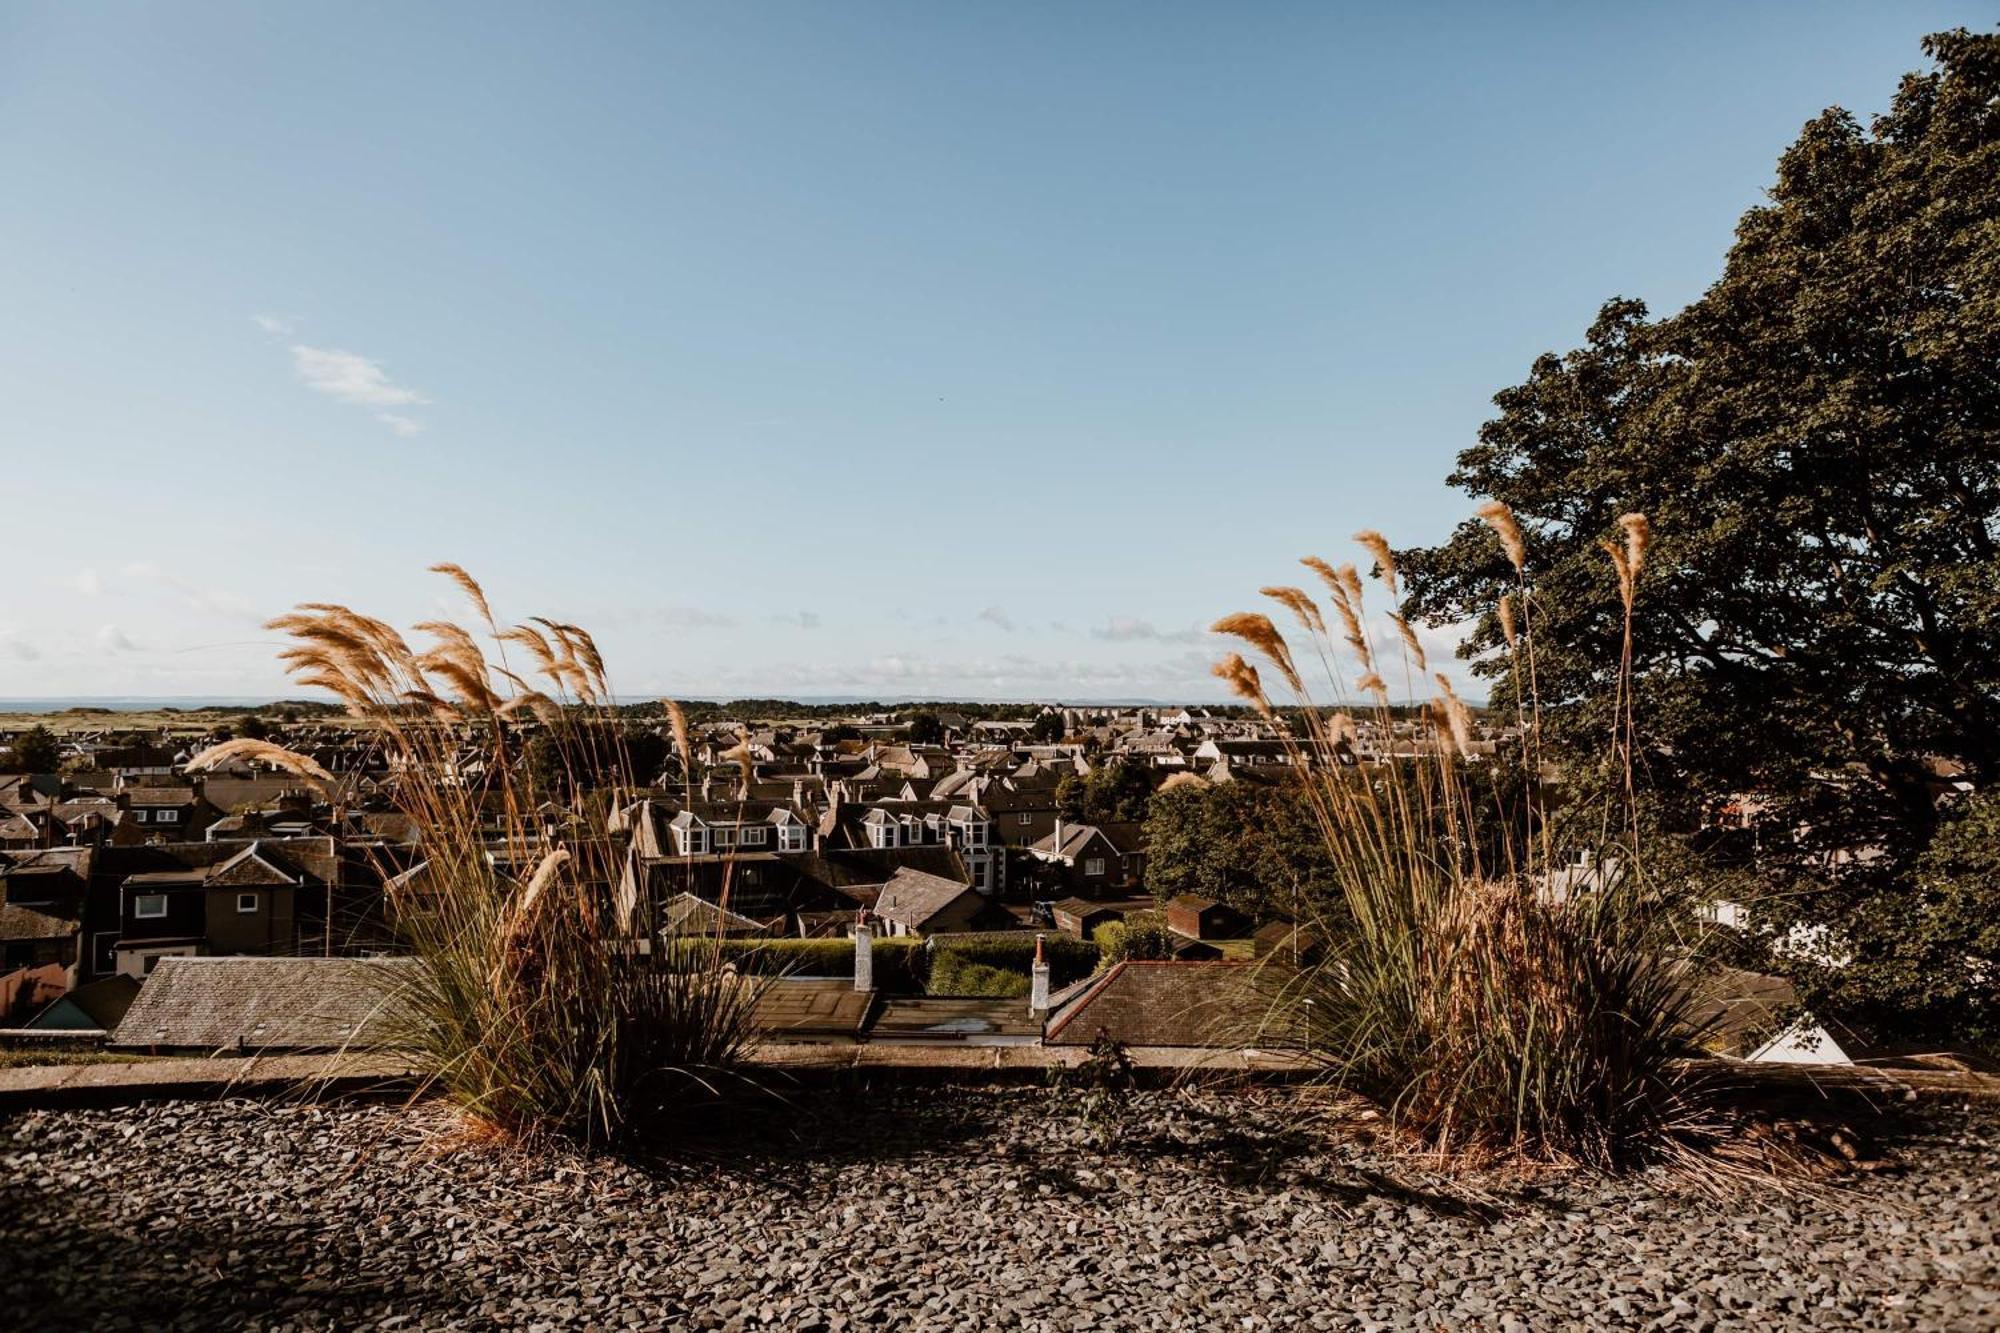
[[350, 377], [1130, 629], [88, 582], [115, 640], [361, 381], [16, 647], [1010, 675], [802, 619], [214, 601], [997, 618]]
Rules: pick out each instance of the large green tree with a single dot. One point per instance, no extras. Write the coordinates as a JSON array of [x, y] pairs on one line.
[[1253, 847], [1817, 442], [35, 750], [1113, 792]]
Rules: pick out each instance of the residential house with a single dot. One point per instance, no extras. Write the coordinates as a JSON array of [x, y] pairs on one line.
[[1089, 860], [914, 903]]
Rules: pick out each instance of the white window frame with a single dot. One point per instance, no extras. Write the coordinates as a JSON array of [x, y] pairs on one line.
[[141, 816], [1094, 867], [166, 816], [792, 838], [725, 836], [751, 835], [255, 901], [139, 901]]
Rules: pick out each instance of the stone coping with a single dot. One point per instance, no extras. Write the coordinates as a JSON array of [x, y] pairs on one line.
[[373, 1072]]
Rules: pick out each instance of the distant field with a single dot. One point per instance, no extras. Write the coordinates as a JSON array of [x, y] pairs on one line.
[[179, 721]]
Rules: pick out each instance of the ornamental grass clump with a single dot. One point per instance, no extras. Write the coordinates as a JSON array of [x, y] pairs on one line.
[[545, 998], [1497, 997]]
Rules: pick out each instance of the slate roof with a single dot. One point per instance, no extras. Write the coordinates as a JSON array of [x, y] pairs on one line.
[[912, 898], [1165, 1004], [263, 1003], [25, 923]]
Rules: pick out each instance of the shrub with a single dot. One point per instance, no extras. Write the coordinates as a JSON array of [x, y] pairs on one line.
[[1134, 939], [533, 1004]]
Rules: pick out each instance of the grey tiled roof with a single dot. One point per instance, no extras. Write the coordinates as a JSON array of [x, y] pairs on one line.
[[264, 1003]]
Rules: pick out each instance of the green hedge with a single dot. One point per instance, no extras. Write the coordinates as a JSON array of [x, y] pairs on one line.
[[953, 975], [899, 963], [969, 960]]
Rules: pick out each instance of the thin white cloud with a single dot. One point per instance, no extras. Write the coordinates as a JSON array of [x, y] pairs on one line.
[[88, 582], [1130, 629], [350, 377], [16, 647], [214, 601], [1011, 675], [274, 325], [998, 618], [802, 619], [115, 640]]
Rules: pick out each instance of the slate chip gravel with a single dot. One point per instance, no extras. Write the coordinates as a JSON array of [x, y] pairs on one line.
[[928, 1209]]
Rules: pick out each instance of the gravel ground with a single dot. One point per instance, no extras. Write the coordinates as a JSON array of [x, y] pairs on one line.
[[958, 1209]]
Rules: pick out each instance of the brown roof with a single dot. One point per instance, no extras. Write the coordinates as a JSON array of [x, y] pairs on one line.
[[950, 1018], [803, 1010]]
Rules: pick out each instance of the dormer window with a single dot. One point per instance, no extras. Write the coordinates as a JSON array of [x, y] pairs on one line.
[[751, 836]]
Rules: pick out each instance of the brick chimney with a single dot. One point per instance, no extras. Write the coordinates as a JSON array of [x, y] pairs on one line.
[[1038, 984]]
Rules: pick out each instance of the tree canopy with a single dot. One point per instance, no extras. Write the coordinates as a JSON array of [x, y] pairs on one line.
[[1817, 443], [35, 750]]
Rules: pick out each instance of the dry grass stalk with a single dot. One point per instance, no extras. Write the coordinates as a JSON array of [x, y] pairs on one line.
[[1385, 559], [1458, 718], [470, 587], [262, 752], [1505, 608], [1409, 638], [1258, 631], [1300, 605], [1243, 681], [1500, 518]]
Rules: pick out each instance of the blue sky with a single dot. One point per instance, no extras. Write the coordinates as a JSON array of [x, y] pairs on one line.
[[912, 349]]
